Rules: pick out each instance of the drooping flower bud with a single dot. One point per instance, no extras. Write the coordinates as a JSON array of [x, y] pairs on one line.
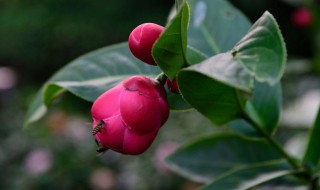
[[141, 40], [127, 117]]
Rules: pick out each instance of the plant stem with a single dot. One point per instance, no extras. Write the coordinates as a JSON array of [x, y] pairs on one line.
[[314, 182], [161, 78], [273, 143]]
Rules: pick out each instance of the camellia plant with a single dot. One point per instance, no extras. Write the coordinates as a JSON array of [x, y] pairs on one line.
[[209, 58]]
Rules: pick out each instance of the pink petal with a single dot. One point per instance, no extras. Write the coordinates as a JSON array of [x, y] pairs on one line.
[[141, 114], [112, 134], [107, 105], [136, 144]]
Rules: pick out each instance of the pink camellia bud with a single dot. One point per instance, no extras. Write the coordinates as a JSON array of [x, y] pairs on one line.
[[173, 85], [142, 39], [302, 17], [127, 117]]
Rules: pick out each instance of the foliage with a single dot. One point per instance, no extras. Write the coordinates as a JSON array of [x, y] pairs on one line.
[[226, 70]]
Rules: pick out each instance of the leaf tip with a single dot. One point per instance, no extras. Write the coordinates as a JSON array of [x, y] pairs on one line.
[[35, 116], [268, 14]]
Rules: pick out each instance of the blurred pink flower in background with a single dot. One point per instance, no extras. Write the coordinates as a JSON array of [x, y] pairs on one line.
[[160, 155], [8, 78], [102, 179], [37, 162], [78, 130], [57, 122], [302, 17]]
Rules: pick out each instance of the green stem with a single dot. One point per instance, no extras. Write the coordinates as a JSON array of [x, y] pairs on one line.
[[161, 78], [273, 143]]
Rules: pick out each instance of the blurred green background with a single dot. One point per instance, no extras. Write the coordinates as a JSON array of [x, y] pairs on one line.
[[58, 152]]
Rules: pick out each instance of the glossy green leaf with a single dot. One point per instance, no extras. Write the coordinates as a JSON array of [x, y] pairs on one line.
[[259, 55], [262, 50], [247, 177], [218, 102], [36, 110], [312, 155], [210, 156], [90, 75], [215, 26], [169, 51], [225, 69], [250, 60], [265, 106]]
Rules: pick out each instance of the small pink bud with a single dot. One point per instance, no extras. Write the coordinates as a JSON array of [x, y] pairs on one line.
[[302, 17], [142, 39], [127, 117], [173, 85]]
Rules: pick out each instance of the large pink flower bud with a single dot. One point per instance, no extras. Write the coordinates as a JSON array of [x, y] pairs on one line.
[[142, 39], [127, 117]]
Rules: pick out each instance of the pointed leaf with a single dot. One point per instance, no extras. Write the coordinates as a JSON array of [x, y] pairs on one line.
[[36, 110], [211, 156], [249, 61], [312, 155], [250, 176], [215, 26], [262, 50], [225, 69], [260, 54], [169, 51]]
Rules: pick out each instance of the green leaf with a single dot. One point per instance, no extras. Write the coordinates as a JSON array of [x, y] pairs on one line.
[[169, 51], [216, 101], [265, 106], [211, 156], [260, 54], [89, 76], [247, 177], [36, 110], [262, 50], [215, 26], [225, 69], [50, 92], [312, 155], [250, 60]]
